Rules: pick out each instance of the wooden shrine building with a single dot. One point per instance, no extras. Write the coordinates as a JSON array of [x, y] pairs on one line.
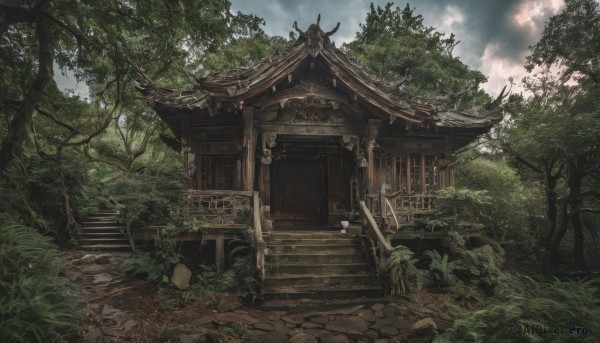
[[313, 132]]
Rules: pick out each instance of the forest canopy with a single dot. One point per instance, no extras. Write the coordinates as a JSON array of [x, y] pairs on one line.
[[533, 182]]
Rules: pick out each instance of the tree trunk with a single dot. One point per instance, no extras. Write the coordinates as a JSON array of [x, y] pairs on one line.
[[17, 130], [578, 241], [574, 179], [558, 235], [551, 207]]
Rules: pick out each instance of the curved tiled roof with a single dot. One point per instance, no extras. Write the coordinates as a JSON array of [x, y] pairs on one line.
[[242, 86]]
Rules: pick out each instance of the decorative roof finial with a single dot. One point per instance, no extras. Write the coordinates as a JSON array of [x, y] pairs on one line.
[[314, 37]]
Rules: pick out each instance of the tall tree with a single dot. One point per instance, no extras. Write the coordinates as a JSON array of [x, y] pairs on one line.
[[556, 132], [394, 43], [101, 41]]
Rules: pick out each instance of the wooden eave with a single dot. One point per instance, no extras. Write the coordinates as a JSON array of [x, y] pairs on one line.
[[251, 86]]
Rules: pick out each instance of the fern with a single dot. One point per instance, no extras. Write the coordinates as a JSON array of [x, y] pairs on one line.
[[442, 271], [37, 303], [155, 265], [401, 269], [523, 301]]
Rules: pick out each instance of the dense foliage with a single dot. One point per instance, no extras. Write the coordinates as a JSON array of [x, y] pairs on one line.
[[511, 206], [37, 303], [396, 45], [553, 135], [525, 310], [63, 157]]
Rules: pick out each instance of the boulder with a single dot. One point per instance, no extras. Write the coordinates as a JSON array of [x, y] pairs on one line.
[[423, 324], [273, 337], [423, 330], [181, 276], [232, 317], [388, 331], [303, 337], [351, 323], [228, 303], [102, 259], [487, 253]]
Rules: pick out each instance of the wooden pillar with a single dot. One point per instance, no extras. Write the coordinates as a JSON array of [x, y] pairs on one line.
[[220, 254], [248, 154], [408, 180], [423, 188], [372, 132], [449, 171], [264, 185]]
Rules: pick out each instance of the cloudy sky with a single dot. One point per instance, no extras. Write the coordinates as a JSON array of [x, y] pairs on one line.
[[494, 35]]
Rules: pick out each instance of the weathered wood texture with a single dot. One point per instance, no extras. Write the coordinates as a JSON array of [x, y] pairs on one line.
[[261, 246], [370, 227], [274, 81], [217, 207], [406, 207]]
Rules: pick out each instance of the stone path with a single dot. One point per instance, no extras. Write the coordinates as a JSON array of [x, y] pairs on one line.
[[360, 323], [120, 308]]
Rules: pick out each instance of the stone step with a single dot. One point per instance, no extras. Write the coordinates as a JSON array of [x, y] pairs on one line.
[[317, 265], [307, 235], [99, 228], [99, 222], [309, 241], [301, 280], [315, 259], [318, 269], [91, 241], [107, 212], [111, 234], [102, 217], [105, 247], [302, 248], [324, 292]]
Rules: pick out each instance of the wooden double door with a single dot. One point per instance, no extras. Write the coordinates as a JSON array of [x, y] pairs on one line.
[[299, 192]]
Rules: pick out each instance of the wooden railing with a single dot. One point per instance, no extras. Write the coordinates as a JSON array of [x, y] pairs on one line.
[[399, 208], [217, 208], [382, 249], [223, 208]]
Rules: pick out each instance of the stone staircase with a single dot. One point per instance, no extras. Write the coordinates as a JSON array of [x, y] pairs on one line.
[[101, 232], [317, 265]]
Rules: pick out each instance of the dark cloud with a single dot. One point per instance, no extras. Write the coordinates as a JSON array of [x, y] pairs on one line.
[[505, 27]]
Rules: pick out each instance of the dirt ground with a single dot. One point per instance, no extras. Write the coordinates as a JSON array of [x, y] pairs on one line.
[[119, 307]]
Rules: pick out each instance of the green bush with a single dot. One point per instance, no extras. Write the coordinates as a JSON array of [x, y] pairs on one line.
[[150, 197], [523, 304], [441, 270], [463, 204], [156, 264], [401, 270], [479, 270], [36, 303], [514, 206]]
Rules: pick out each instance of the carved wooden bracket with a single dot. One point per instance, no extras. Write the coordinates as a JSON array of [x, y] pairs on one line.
[[348, 142], [268, 143]]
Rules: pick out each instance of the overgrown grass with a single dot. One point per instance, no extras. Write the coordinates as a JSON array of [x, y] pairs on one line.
[[36, 303], [523, 308]]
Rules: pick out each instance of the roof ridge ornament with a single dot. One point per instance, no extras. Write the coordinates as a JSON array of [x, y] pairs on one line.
[[314, 37]]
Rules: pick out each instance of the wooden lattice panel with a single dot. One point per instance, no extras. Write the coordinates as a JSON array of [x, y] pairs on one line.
[[212, 208]]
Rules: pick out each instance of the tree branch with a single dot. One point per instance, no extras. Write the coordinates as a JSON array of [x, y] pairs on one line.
[[106, 161], [587, 210], [56, 121]]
